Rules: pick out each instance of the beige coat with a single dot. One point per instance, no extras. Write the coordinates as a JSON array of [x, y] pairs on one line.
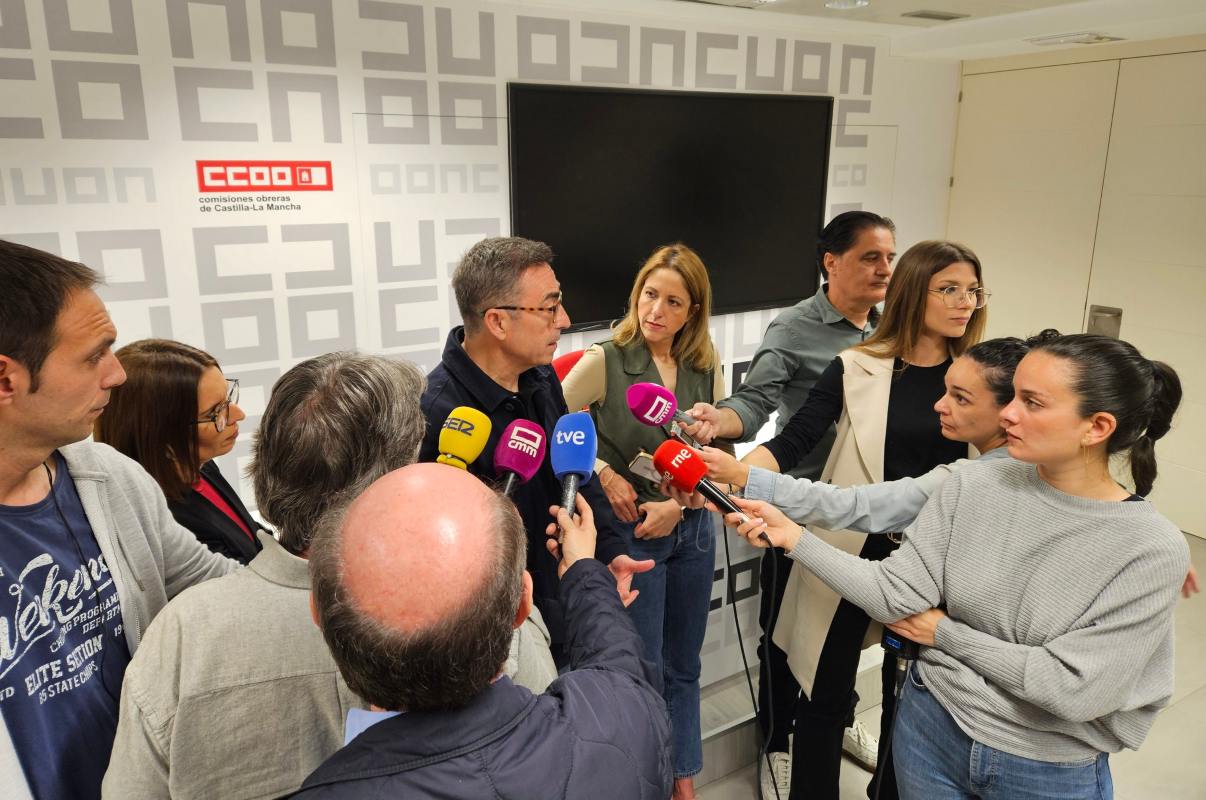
[[857, 458]]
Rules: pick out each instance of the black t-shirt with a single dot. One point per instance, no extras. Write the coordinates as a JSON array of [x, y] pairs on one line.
[[913, 441]]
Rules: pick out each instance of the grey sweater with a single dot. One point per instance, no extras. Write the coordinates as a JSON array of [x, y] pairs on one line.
[[1059, 641]]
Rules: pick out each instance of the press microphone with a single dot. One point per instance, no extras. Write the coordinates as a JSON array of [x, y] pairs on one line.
[[655, 405], [572, 454], [687, 472], [463, 437], [519, 453]]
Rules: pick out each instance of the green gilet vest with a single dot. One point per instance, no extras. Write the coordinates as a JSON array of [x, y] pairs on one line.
[[621, 436]]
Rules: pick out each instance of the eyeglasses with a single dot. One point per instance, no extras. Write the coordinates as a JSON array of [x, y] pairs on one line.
[[550, 310], [953, 296], [221, 413]]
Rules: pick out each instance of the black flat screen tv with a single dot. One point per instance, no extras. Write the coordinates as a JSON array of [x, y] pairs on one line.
[[605, 176]]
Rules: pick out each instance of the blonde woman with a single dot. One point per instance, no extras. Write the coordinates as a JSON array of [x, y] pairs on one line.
[[662, 339]]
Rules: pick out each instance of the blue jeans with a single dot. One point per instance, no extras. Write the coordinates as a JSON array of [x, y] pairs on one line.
[[671, 615], [936, 760]]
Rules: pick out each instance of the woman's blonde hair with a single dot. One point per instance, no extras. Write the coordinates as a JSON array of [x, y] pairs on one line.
[[903, 320], [692, 345]]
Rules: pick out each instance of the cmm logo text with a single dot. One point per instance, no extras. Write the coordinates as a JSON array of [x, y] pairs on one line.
[[278, 176]]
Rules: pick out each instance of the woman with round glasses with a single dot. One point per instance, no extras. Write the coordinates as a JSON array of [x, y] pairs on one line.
[[175, 413]]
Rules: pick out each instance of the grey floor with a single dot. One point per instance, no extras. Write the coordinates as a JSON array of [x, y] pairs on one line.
[[1171, 765]]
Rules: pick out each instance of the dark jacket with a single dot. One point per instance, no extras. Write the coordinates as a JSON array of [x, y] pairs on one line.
[[212, 528], [599, 731], [457, 381]]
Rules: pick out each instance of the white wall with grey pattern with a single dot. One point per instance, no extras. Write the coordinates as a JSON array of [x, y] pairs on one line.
[[106, 106]]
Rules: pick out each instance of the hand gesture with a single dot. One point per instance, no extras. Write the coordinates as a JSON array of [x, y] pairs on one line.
[[763, 518], [724, 467], [576, 537], [660, 519], [919, 627], [623, 568], [1190, 586], [620, 494], [691, 500]]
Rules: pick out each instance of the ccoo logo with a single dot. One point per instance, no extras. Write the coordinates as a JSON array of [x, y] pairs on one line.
[[279, 176]]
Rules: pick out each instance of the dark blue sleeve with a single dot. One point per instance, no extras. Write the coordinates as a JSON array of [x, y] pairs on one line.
[[436, 406], [809, 424], [600, 634]]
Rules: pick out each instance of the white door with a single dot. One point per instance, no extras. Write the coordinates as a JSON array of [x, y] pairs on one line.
[[1150, 254]]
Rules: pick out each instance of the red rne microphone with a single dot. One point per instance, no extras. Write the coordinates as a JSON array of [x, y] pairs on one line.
[[519, 453], [687, 472]]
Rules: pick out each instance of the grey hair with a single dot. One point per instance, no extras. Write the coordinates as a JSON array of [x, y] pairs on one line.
[[333, 425], [489, 272], [443, 666]]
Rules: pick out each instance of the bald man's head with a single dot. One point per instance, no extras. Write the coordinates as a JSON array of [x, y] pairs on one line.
[[417, 584]]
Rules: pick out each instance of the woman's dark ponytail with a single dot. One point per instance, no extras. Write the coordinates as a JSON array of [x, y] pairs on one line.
[[1111, 376], [1166, 396]]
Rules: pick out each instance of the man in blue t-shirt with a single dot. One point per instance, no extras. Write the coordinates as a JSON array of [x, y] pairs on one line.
[[89, 552]]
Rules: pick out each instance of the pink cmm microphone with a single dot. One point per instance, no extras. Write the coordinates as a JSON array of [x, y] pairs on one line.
[[519, 453], [655, 405]]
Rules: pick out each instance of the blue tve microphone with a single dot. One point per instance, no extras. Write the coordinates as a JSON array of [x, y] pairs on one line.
[[572, 454]]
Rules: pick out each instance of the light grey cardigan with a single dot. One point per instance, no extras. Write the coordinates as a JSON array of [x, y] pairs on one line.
[[1059, 640], [150, 556]]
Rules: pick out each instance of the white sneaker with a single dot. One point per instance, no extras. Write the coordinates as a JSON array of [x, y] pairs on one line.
[[776, 776], [861, 746]]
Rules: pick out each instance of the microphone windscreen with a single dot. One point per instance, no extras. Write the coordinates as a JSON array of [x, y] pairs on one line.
[[574, 446], [651, 404], [684, 466], [463, 436], [520, 449]]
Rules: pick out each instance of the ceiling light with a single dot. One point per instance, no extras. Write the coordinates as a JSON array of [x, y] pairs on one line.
[[847, 5], [1083, 37], [936, 16]]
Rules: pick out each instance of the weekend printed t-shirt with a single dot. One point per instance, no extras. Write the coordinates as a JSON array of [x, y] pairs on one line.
[[62, 651]]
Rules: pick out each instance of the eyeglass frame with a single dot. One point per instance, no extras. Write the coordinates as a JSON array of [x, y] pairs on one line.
[[949, 293], [222, 410], [550, 310]]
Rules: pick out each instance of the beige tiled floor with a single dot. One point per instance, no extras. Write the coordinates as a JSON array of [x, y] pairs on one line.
[[1171, 765]]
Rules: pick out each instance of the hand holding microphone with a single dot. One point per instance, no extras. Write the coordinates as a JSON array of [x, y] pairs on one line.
[[463, 437], [519, 453], [656, 406], [686, 470], [572, 454]]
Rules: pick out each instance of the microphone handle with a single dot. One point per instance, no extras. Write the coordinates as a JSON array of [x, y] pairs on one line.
[[569, 490], [721, 500], [510, 484]]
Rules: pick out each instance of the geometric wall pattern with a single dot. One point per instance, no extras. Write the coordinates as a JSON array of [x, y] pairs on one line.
[[106, 106]]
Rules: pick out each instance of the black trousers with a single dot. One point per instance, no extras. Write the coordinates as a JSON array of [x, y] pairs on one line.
[[822, 717]]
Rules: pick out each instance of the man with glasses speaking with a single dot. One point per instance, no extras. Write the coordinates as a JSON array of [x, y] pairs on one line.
[[498, 363]]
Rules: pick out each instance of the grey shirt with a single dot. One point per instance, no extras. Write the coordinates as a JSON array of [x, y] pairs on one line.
[[1059, 639], [234, 694], [795, 350]]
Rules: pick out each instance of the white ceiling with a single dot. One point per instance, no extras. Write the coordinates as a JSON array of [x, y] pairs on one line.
[[890, 11], [994, 27]]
